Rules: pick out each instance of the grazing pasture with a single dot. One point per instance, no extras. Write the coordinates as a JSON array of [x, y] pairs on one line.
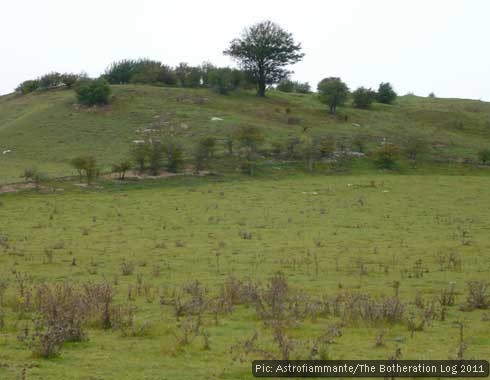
[[192, 278]]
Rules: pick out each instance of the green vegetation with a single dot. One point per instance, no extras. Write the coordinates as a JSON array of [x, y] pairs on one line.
[[86, 167], [158, 228], [264, 50], [386, 94], [287, 85], [386, 156], [170, 268], [49, 81], [47, 129], [363, 97], [484, 156], [333, 92], [93, 92]]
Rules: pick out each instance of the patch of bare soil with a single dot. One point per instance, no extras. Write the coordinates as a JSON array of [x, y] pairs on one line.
[[136, 175], [91, 186], [16, 187]]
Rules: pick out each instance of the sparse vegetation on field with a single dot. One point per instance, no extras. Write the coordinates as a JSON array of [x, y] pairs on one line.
[[215, 227], [273, 274]]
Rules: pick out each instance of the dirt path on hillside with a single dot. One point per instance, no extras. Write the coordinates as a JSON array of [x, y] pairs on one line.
[[16, 187], [130, 175]]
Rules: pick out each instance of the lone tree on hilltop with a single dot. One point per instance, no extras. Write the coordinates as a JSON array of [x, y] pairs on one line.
[[263, 50]]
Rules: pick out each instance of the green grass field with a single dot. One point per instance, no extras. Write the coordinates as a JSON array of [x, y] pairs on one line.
[[327, 234], [343, 262]]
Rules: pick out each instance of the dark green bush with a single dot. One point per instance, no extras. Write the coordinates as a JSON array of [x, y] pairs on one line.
[[50, 80], [224, 80], [120, 72], [287, 85], [386, 94], [363, 97], [484, 156], [69, 80], [28, 86], [91, 92], [146, 71], [188, 76], [167, 76]]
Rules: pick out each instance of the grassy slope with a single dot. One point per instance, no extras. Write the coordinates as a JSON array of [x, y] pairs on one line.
[[46, 130], [400, 221], [393, 225]]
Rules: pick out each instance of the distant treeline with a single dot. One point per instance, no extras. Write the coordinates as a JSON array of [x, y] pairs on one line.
[[152, 72], [147, 71], [332, 91], [264, 52]]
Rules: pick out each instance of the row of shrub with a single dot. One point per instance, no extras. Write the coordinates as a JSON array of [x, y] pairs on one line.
[[146, 71], [223, 80], [288, 85], [142, 71], [50, 81], [246, 145], [333, 92], [89, 91]]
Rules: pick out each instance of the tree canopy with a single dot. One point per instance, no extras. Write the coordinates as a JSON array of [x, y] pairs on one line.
[[91, 92], [264, 50], [386, 94], [332, 92], [363, 97]]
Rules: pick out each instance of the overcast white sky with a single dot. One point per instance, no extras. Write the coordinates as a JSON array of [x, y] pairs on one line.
[[418, 45]]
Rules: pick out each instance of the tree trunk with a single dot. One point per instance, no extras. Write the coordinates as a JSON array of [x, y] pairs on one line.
[[261, 88], [261, 82]]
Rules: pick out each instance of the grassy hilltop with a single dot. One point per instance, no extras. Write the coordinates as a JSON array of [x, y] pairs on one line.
[[47, 129]]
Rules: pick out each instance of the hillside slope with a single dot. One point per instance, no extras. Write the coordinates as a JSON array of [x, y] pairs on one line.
[[47, 129]]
